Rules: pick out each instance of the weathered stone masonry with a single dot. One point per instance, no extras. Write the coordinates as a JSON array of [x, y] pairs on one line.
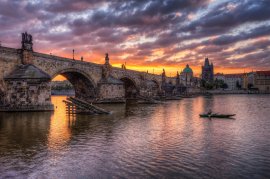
[[28, 89]]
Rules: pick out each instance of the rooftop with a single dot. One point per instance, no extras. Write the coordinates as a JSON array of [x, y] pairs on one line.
[[267, 73], [187, 69], [28, 72], [234, 75]]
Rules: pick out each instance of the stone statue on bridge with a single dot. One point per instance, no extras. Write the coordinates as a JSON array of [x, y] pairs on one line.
[[177, 79], [26, 37], [163, 76], [107, 60], [123, 67], [27, 41], [106, 68]]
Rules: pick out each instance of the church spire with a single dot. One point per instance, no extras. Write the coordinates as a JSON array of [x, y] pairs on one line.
[[206, 62]]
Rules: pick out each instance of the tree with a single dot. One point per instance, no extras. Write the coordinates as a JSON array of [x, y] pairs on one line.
[[203, 83], [209, 86], [224, 86], [218, 83], [250, 86], [238, 85]]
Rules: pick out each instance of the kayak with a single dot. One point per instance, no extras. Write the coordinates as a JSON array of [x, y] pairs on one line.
[[217, 115]]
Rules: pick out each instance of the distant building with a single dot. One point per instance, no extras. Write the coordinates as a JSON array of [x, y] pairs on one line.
[[259, 80], [234, 81], [186, 76], [186, 82], [251, 79], [61, 85], [262, 81], [208, 71], [245, 81], [62, 88], [196, 82], [219, 76]]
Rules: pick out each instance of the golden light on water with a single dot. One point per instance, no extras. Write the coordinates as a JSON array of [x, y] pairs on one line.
[[59, 133]]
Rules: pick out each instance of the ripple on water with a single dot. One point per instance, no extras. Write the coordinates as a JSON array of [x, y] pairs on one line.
[[149, 141]]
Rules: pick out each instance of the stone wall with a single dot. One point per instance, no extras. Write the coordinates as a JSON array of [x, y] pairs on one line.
[[28, 95], [9, 59], [111, 91], [149, 88], [262, 81]]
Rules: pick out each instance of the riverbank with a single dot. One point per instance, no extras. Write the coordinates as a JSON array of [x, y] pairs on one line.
[[63, 93], [233, 92]]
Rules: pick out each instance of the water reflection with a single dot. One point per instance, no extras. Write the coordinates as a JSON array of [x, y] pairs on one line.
[[23, 130], [164, 140], [60, 132]]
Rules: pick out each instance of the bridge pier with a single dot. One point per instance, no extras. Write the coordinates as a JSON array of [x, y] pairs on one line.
[[110, 89], [28, 89]]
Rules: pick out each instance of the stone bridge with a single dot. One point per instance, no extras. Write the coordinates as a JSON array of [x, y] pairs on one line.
[[25, 78]]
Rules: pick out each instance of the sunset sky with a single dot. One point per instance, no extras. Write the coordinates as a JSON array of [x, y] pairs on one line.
[[147, 35]]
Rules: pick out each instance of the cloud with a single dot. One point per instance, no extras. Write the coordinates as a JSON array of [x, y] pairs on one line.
[[263, 30], [232, 13], [146, 32]]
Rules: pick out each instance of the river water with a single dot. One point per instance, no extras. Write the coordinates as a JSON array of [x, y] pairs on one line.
[[141, 141]]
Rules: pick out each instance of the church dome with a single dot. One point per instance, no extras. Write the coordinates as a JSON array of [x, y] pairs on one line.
[[187, 69]]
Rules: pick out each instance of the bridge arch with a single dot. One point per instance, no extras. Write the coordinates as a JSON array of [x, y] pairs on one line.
[[150, 88], [131, 88], [83, 84]]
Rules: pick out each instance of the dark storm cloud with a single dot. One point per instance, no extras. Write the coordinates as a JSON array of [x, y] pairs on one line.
[[262, 58], [258, 45], [263, 30], [232, 13], [146, 15], [141, 28]]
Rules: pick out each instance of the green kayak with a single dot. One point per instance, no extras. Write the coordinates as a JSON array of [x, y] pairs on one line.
[[217, 115]]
